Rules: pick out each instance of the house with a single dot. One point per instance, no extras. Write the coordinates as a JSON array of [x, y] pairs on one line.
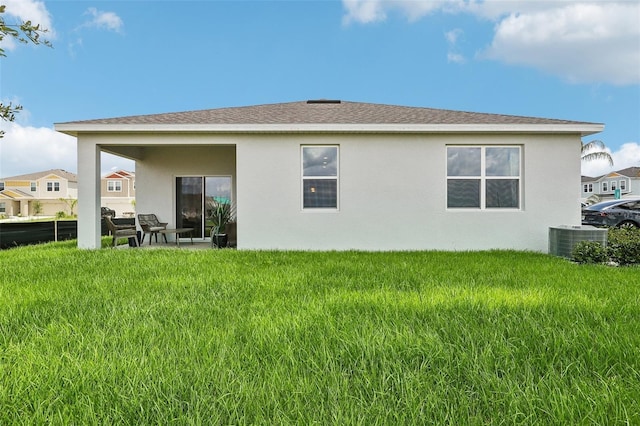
[[620, 184], [49, 192], [40, 193], [330, 174], [118, 192]]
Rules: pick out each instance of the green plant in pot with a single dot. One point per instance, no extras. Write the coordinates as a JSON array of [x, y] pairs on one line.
[[221, 213]]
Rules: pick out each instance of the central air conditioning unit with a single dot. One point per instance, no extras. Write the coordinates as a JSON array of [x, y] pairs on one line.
[[562, 239]]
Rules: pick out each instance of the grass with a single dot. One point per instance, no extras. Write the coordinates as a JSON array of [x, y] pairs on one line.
[[235, 337]]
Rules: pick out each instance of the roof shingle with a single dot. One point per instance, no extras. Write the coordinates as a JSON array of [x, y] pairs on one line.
[[325, 112]]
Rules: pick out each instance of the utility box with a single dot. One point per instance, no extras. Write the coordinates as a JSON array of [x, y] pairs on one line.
[[562, 239]]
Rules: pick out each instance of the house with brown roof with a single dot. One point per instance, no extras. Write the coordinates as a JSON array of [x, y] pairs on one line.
[[623, 183], [118, 192], [337, 175], [37, 193]]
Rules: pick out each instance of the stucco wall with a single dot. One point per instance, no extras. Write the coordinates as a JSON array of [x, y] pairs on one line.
[[392, 193], [392, 189], [156, 174]]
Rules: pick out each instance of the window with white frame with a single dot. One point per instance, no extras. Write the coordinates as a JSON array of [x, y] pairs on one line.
[[605, 187], [53, 186], [614, 185], [114, 186], [320, 177], [3, 207], [588, 187], [483, 177], [33, 187], [623, 185]]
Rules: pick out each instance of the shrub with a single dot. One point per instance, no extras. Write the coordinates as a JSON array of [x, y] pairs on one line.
[[61, 215], [624, 245], [589, 252]]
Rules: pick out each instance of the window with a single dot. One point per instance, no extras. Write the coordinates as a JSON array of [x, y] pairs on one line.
[[623, 185], [588, 187], [319, 177], [53, 186], [114, 186], [3, 207], [1, 186], [484, 177], [605, 186], [33, 187], [613, 185]]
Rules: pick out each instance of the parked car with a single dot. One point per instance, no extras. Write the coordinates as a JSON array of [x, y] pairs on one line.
[[623, 213]]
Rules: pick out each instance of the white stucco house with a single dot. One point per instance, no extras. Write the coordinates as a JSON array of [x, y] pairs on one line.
[[325, 174]]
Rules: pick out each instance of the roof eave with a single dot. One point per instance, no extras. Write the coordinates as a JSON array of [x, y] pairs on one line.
[[74, 129]]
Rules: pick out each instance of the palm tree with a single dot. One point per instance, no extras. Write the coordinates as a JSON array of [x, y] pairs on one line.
[[595, 150]]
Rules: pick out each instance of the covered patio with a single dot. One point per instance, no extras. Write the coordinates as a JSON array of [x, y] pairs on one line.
[[173, 181]]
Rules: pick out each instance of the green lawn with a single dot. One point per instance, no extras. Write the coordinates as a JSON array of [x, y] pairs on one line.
[[232, 337]]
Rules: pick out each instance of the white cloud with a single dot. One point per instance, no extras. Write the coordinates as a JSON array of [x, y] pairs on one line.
[[103, 20], [368, 11], [452, 38], [581, 41], [363, 12], [27, 10], [627, 156], [26, 149]]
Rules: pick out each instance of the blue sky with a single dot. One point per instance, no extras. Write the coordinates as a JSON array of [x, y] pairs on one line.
[[575, 60]]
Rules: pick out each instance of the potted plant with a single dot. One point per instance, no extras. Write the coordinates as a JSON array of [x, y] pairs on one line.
[[221, 213]]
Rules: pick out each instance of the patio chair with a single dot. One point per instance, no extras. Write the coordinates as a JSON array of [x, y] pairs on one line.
[[152, 226], [121, 231]]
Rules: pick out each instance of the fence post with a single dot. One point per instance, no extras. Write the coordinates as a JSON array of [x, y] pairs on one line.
[[55, 230]]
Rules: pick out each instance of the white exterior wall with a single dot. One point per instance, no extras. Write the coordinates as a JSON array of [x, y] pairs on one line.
[[89, 227], [392, 189], [156, 174], [635, 187], [392, 195]]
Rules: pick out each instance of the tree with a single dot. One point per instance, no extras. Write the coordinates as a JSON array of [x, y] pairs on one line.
[[37, 207], [23, 33], [595, 150], [71, 203]]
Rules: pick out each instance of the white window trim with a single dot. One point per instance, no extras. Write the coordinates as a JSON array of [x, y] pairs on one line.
[[623, 185], [605, 187], [53, 183], [483, 178], [115, 183], [336, 178]]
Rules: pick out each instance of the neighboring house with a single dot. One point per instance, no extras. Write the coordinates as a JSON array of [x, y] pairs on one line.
[[619, 184], [37, 193], [324, 174], [118, 192]]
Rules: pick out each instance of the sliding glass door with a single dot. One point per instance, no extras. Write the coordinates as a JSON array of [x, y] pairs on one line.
[[193, 195]]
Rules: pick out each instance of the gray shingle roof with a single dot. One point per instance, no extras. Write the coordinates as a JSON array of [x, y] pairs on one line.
[[630, 172], [325, 112]]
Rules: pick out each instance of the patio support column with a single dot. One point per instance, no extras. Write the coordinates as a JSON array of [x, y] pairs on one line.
[[88, 194]]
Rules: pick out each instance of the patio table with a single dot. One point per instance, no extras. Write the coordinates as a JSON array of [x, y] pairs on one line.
[[177, 231]]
